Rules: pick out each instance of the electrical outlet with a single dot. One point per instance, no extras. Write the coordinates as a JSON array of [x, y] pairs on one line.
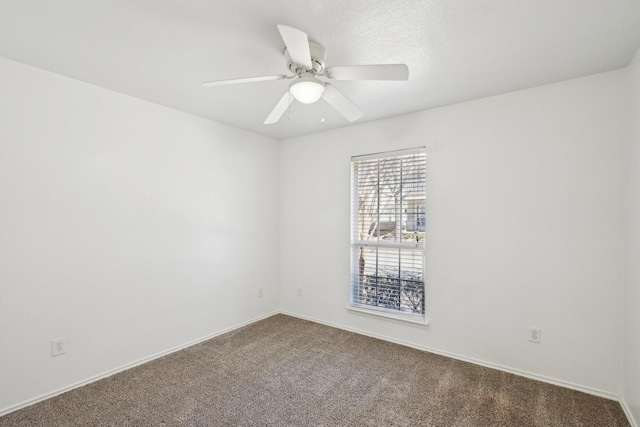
[[534, 334], [259, 292], [299, 291], [57, 347]]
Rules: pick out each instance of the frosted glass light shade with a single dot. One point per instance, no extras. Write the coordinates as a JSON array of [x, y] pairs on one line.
[[307, 89]]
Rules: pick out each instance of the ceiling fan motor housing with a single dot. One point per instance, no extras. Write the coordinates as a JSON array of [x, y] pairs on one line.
[[318, 58]]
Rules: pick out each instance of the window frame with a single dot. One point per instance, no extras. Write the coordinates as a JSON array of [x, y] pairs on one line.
[[355, 282]]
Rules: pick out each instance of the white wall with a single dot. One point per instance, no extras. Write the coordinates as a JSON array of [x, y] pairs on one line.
[[524, 227], [126, 227], [631, 369]]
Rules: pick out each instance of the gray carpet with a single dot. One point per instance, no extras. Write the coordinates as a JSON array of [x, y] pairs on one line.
[[284, 371]]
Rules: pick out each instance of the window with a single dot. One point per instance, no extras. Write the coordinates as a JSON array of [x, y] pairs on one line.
[[388, 231]]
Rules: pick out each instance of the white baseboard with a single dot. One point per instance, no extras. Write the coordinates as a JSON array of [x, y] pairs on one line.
[[628, 413], [45, 396], [543, 378]]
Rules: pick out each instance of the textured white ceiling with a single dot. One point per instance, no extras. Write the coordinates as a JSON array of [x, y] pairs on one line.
[[456, 50]]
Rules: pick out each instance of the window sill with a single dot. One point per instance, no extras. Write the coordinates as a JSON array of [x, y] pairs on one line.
[[412, 319]]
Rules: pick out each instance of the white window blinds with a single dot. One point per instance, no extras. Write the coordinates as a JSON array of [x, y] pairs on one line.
[[388, 231]]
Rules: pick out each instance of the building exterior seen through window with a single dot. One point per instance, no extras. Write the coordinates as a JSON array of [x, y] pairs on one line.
[[388, 226]]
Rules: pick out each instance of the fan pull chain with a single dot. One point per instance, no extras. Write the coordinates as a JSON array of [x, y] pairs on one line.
[[322, 111], [289, 104]]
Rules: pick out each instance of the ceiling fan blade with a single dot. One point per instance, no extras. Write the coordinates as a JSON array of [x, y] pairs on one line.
[[279, 109], [341, 103], [369, 72], [244, 80], [297, 44]]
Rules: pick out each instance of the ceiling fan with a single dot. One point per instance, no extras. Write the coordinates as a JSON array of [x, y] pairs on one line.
[[306, 60]]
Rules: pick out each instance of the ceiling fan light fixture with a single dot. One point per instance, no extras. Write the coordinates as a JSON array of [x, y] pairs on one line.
[[307, 89]]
